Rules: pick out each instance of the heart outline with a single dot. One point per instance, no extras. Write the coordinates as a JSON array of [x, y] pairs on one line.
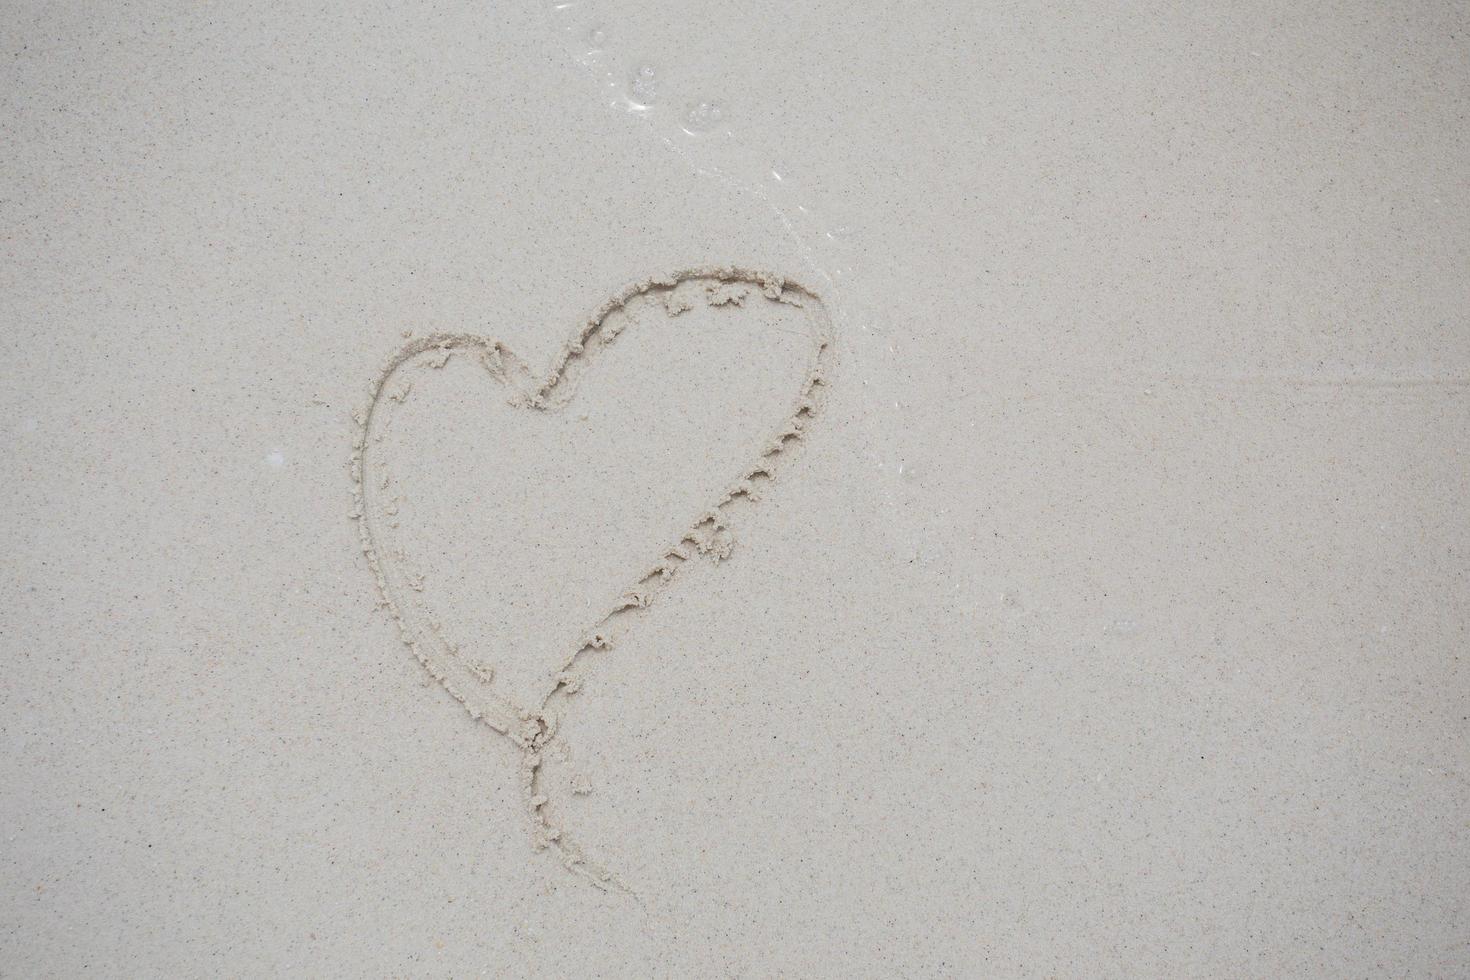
[[533, 729]]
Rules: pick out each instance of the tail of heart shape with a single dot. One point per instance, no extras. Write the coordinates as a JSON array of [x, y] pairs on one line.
[[532, 727]]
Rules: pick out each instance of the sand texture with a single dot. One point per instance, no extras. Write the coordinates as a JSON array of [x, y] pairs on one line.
[[617, 489]]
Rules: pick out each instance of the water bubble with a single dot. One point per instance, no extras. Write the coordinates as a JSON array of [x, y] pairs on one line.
[[596, 38], [643, 86], [703, 118], [276, 458]]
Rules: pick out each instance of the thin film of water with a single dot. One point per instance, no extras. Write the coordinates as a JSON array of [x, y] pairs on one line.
[[707, 131]]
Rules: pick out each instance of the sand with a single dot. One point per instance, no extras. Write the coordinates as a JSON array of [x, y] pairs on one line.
[[605, 489]]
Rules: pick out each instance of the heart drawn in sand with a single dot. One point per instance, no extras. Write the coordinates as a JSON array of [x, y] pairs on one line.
[[526, 712]]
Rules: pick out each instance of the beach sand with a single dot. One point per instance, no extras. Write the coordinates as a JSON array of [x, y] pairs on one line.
[[849, 490]]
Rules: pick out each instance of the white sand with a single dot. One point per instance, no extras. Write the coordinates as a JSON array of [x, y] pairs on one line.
[[1107, 616]]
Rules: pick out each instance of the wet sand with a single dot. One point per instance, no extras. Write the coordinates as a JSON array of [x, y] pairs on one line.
[[1029, 538]]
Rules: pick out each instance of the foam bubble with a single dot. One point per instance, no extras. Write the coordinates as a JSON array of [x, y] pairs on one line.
[[703, 117], [643, 86]]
